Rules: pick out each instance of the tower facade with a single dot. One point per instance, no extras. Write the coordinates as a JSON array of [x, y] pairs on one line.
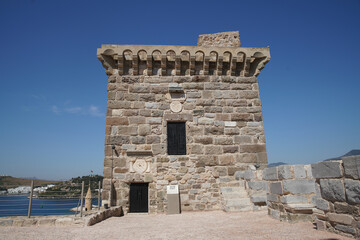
[[181, 115]]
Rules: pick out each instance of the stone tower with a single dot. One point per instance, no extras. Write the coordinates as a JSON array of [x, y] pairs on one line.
[[181, 115], [88, 200]]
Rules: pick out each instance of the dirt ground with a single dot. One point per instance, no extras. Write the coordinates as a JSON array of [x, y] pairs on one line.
[[188, 225]]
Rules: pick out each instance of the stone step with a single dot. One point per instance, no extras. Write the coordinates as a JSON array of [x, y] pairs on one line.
[[232, 189], [234, 195], [232, 184], [238, 209], [238, 202]]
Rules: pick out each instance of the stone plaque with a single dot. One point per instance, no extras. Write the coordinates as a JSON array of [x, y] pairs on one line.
[[140, 166], [176, 106]]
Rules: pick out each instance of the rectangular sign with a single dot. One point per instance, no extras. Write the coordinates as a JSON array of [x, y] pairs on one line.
[[172, 189]]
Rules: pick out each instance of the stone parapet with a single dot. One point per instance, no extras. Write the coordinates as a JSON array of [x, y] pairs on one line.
[[287, 190], [338, 196], [163, 60], [327, 193]]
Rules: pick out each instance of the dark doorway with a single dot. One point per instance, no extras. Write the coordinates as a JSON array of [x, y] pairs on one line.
[[176, 138], [138, 197]]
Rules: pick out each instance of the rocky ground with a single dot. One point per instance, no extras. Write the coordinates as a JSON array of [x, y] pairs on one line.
[[188, 225]]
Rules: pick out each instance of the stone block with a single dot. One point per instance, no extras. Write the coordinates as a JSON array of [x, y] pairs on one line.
[[284, 172], [203, 140], [258, 185], [29, 222], [144, 130], [118, 140], [276, 187], [352, 188], [344, 207], [332, 189], [253, 148], [272, 197], [299, 171], [327, 169], [274, 213], [6, 222], [207, 161], [340, 218], [137, 120], [213, 150], [352, 166], [320, 225], [127, 130], [299, 186], [239, 175], [258, 198], [46, 222], [153, 139], [197, 149], [308, 171], [233, 170], [224, 141], [293, 199], [230, 149], [246, 158], [322, 204], [270, 173], [262, 158], [65, 221], [137, 140], [346, 229], [226, 160], [220, 171], [249, 174], [241, 139], [214, 130]]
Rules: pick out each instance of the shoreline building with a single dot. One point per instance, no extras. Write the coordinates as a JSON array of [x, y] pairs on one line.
[[182, 115]]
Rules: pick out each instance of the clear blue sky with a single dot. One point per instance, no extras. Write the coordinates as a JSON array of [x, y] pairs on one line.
[[53, 88]]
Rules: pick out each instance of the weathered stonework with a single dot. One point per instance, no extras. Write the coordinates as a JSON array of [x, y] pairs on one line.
[[214, 90]]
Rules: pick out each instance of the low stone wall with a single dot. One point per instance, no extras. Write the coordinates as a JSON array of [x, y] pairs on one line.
[[288, 190], [327, 193], [338, 205], [64, 220], [291, 192]]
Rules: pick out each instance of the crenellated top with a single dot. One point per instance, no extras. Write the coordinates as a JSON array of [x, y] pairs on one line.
[[163, 60]]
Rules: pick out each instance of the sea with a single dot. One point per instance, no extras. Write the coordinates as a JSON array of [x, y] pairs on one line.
[[17, 205]]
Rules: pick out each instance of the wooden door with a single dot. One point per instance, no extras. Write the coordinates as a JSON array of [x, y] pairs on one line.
[[138, 197]]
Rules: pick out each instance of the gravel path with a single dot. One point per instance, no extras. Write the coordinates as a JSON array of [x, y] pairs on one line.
[[188, 225]]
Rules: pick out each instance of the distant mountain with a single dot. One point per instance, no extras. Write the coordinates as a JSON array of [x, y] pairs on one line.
[[13, 182], [276, 164], [351, 153]]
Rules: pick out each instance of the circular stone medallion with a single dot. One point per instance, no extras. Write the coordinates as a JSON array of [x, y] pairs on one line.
[[176, 106], [140, 166]]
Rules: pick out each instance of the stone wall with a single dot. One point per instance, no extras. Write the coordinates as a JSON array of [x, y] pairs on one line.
[[89, 218], [338, 204], [223, 39], [287, 190], [327, 193], [224, 134]]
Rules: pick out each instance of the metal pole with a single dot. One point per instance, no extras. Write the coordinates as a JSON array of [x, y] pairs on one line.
[[31, 196], [99, 195], [82, 197]]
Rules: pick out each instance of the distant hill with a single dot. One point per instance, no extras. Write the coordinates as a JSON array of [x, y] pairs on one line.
[[276, 164], [351, 153], [13, 182]]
